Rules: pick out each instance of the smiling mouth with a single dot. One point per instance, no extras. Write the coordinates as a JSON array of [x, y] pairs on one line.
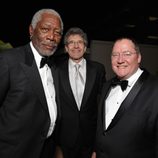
[[121, 66]]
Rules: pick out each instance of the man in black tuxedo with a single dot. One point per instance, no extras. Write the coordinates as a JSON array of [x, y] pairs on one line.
[[28, 110], [128, 115], [77, 127]]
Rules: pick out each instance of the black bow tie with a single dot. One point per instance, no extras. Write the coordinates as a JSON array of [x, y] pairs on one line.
[[122, 83], [45, 60]]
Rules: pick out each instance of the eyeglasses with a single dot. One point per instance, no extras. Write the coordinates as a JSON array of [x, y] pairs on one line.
[[71, 43], [125, 54]]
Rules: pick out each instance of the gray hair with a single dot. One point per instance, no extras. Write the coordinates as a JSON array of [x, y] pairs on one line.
[[75, 31], [38, 15]]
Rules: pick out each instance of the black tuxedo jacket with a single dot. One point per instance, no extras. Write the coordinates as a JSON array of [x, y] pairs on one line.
[[81, 124], [24, 115], [133, 133]]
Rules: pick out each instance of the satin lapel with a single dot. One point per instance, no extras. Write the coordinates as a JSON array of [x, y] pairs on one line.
[[129, 99], [65, 82], [104, 95], [90, 79], [35, 81]]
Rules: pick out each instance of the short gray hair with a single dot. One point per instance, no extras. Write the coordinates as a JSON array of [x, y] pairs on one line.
[[75, 31], [38, 15]]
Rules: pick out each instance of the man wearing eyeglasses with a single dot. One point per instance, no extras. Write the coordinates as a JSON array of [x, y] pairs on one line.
[[80, 84], [128, 110]]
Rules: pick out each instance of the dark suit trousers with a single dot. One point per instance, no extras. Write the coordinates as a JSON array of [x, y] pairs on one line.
[[78, 151], [48, 149]]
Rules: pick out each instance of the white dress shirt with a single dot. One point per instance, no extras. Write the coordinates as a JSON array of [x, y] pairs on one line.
[[72, 72], [48, 85], [116, 97]]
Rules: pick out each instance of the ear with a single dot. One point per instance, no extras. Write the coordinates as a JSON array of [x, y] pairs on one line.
[[31, 31], [66, 48], [85, 48], [139, 58]]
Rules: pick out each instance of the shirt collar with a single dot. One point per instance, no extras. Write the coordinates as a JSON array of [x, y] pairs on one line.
[[81, 63], [134, 77], [37, 56]]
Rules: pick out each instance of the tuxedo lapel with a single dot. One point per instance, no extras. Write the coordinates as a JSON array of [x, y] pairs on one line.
[[105, 93], [31, 71], [35, 80], [129, 99], [64, 77], [90, 79]]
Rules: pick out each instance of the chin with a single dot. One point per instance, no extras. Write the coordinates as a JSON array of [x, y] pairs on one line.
[[121, 76]]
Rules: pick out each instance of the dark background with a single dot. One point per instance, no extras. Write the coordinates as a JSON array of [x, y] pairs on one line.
[[101, 20]]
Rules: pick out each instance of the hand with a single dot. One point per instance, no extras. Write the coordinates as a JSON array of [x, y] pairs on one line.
[[94, 155], [58, 152]]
